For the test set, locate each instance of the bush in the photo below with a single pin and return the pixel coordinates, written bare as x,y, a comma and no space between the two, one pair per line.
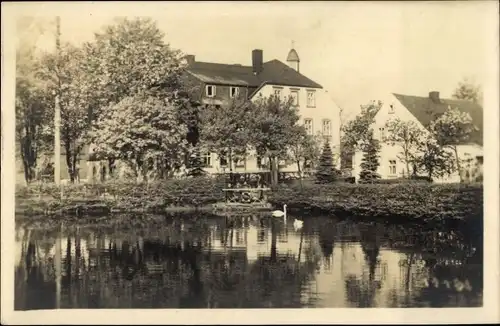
415,200
154,196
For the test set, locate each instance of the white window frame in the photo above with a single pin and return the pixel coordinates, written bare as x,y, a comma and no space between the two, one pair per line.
214,90
236,92
311,98
295,101
279,90
311,130
207,160
393,168
381,131
326,122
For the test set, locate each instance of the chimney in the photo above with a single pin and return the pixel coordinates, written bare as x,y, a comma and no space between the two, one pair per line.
190,59
434,96
257,61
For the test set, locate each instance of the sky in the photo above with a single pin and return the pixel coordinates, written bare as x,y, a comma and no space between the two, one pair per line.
358,51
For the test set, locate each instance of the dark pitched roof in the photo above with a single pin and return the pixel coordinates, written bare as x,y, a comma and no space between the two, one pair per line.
273,72
426,110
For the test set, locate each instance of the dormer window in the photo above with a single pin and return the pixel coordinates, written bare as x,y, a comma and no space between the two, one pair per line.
234,92
210,90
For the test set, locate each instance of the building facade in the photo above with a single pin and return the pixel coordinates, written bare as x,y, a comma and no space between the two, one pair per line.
219,84
422,110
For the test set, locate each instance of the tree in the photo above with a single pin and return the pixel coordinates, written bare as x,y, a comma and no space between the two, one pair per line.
325,173
32,114
467,90
435,160
355,131
144,132
452,128
128,58
226,130
406,135
195,164
65,77
273,124
370,162
305,150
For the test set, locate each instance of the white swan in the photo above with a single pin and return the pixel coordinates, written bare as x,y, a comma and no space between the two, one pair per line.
278,213
297,224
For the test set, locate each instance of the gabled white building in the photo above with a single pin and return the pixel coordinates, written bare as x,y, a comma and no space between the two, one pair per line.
422,110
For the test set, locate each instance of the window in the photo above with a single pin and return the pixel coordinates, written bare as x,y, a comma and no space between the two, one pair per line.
382,133
234,92
392,167
311,99
210,90
308,124
391,109
327,127
282,163
278,92
239,162
222,161
261,162
294,94
207,160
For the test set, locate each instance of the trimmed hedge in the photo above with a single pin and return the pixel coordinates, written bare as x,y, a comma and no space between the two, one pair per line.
412,200
119,196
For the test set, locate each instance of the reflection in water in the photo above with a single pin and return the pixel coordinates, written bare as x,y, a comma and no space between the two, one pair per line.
246,263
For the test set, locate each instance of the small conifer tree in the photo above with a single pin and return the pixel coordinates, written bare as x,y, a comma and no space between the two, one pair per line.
370,163
325,173
195,164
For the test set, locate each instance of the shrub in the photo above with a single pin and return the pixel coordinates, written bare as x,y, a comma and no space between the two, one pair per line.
431,202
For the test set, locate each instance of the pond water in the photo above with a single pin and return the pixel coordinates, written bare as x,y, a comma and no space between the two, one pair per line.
244,262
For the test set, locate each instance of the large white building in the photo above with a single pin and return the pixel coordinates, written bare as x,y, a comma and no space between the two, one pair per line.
422,110
221,83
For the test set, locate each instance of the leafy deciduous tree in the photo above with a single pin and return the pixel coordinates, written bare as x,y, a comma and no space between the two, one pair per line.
273,126
143,131
451,129
435,160
407,135
467,90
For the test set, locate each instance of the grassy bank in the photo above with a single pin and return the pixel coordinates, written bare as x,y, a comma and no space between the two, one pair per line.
102,199
398,202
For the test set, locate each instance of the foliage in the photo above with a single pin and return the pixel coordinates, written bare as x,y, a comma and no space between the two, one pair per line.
143,131
355,131
226,130
370,162
127,196
130,57
467,90
195,164
407,135
435,160
325,172
62,71
32,115
305,149
452,128
273,127
408,201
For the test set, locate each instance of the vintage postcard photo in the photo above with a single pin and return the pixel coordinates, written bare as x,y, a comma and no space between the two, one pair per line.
324,157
